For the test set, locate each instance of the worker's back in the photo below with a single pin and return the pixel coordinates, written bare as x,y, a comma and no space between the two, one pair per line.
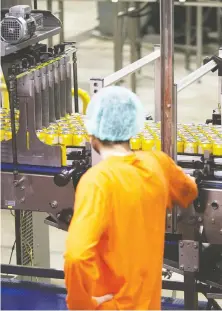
137,197
134,192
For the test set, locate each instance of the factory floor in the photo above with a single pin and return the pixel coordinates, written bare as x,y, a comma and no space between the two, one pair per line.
95,59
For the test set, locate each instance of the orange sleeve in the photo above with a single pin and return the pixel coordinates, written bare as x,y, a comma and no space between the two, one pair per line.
182,189
88,224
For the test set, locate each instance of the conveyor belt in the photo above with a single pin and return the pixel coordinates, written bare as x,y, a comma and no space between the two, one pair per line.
35,169
21,295
45,170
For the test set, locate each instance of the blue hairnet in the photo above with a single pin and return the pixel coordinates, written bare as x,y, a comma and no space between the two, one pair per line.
114,114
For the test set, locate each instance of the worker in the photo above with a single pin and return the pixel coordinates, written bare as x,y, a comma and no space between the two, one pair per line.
115,244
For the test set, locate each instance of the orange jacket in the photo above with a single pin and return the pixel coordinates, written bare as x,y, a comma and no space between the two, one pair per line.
116,237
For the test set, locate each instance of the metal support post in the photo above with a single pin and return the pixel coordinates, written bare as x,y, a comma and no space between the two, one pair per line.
188,36
157,86
49,8
35,4
220,88
18,237
190,292
219,26
133,49
189,263
133,34
174,153
75,81
171,219
118,35
61,17
167,91
199,36
167,75
138,41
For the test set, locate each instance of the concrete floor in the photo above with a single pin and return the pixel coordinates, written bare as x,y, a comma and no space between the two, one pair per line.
95,59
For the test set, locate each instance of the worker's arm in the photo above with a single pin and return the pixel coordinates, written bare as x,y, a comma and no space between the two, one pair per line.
182,188
88,224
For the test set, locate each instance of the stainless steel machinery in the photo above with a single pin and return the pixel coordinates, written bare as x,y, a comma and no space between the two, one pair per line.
39,176
33,174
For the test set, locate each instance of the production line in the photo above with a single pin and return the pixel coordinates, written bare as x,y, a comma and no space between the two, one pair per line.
44,144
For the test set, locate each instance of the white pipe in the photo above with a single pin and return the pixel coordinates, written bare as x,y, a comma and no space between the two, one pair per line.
131,68
196,75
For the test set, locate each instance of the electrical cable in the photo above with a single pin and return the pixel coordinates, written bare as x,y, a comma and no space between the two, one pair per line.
13,246
11,212
12,251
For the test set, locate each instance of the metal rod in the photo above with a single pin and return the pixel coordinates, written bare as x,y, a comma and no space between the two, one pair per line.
49,8
202,4
52,117
194,76
188,36
18,237
167,75
132,34
219,26
45,97
214,295
32,271
138,38
68,88
118,35
38,99
129,69
220,89
57,98
199,36
62,87
35,4
61,17
174,150
174,123
75,81
157,86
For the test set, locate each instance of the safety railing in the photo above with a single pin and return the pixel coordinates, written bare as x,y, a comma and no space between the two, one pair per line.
98,83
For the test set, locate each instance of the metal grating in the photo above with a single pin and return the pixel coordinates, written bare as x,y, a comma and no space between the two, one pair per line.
11,30
27,243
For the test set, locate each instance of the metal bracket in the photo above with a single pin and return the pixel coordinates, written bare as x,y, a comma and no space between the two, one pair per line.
218,61
96,85
189,256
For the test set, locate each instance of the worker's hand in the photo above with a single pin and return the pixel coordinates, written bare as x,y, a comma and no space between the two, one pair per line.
103,299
